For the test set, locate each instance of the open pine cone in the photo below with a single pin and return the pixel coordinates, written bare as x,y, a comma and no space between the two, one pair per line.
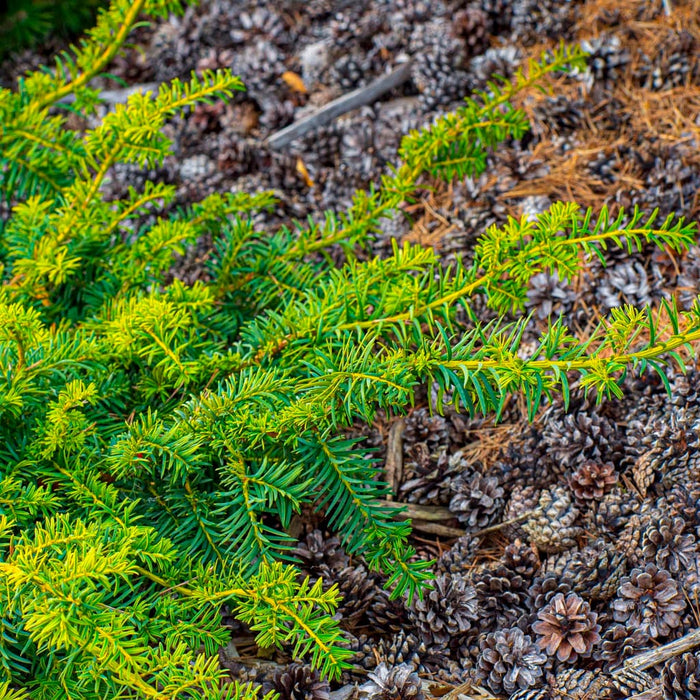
392,683
650,601
299,682
509,661
681,678
567,627
592,480
447,611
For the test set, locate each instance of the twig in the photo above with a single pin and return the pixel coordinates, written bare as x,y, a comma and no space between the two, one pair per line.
436,528
344,103
665,652
393,467
667,7
413,510
512,521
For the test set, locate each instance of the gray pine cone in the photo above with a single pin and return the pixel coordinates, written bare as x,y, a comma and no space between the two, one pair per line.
509,661
392,683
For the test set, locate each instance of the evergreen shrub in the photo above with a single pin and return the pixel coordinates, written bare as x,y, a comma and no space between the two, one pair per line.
157,437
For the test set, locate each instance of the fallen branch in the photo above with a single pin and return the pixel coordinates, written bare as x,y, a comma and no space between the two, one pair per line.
341,105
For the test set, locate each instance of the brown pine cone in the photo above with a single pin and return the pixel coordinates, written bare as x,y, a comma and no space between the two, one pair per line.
446,612
553,527
579,684
666,543
387,615
358,590
318,550
650,601
592,480
460,557
567,627
630,681
509,661
477,500
521,559
299,682
680,678
502,596
619,643
471,26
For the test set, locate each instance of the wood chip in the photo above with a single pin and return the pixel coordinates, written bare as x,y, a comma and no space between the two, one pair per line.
393,466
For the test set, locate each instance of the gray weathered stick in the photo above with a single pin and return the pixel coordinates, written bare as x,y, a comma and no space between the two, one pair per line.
345,103
393,466
413,510
665,652
113,97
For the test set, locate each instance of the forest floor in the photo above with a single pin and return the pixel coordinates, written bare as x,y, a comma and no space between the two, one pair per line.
600,504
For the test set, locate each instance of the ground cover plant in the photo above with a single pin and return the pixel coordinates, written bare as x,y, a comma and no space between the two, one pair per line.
159,436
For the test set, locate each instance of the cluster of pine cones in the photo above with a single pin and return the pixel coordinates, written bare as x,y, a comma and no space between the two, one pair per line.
596,557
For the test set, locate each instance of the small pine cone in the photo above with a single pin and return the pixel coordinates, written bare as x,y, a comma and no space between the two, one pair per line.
477,500
619,643
578,437
348,72
299,682
389,616
630,681
470,25
681,678
592,480
319,551
597,571
609,515
392,683
552,528
502,596
545,586
521,559
509,661
665,544
426,476
407,648
579,684
531,694
460,557
523,500
629,539
567,627
649,600
446,612
358,590
421,426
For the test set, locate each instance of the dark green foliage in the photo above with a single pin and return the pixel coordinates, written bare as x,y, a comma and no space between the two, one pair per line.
156,439
24,23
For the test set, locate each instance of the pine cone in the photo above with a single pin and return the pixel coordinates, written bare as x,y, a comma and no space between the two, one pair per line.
470,25
460,557
650,601
319,551
619,643
592,480
579,684
478,500
299,682
392,683
681,678
509,661
665,544
521,559
502,596
567,627
552,528
447,611
389,616
631,681
358,590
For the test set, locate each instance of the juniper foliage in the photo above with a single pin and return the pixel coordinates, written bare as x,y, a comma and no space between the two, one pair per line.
158,437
